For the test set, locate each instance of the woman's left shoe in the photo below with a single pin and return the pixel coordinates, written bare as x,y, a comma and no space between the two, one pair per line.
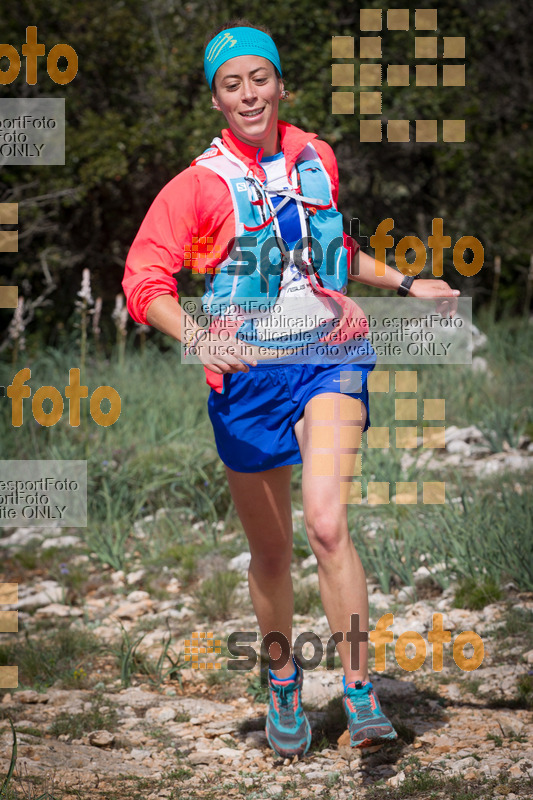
367,723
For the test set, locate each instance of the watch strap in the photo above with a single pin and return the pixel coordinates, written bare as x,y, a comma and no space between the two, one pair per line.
405,285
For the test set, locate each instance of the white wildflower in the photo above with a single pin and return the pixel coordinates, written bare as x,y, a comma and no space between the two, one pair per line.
96,312
17,325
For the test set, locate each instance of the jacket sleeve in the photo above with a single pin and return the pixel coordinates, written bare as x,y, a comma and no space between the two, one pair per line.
157,252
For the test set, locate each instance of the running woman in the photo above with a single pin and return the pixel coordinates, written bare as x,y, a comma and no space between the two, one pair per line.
283,386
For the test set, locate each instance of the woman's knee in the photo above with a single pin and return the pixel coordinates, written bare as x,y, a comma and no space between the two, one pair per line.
271,564
327,532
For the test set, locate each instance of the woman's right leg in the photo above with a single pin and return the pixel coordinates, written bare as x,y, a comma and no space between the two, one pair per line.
263,503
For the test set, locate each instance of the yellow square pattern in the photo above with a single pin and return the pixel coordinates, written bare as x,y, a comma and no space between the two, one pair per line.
406,493
350,410
398,75
9,242
406,380
322,408
377,437
9,621
370,130
454,46
322,465
9,677
426,74
425,47
370,19
342,47
434,409
378,381
370,47
9,593
453,130
378,493
350,492
405,437
342,103
342,75
370,103
453,75
426,19
9,296
351,436
322,436
398,130
349,466
426,130
405,409
434,437
434,492
9,213
398,19
370,75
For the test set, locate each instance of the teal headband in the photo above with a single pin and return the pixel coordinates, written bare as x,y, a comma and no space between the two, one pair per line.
238,42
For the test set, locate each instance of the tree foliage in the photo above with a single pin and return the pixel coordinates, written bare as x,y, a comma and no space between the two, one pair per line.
139,111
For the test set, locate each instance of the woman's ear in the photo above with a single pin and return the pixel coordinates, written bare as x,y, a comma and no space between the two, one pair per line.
214,103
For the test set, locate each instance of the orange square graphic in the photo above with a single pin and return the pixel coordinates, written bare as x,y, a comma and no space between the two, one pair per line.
453,130
406,493
370,130
453,75
322,436
406,437
342,103
322,408
377,437
426,19
370,103
370,75
434,437
406,380
398,130
349,465
9,677
454,47
350,436
342,75
434,409
406,409
398,75
378,493
426,74
398,19
9,296
342,47
9,213
378,381
9,593
370,47
9,242
350,492
434,492
350,409
426,130
9,621
370,19
425,47
322,464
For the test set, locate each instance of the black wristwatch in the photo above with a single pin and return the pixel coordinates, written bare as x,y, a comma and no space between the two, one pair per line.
405,285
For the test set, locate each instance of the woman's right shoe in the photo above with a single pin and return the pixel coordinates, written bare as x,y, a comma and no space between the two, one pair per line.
287,727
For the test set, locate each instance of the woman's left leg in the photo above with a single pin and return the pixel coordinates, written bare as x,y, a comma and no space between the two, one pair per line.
329,436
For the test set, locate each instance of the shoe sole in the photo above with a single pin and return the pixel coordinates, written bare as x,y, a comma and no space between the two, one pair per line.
290,753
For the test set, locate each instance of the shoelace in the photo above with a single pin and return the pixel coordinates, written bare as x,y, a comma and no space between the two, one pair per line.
285,695
361,701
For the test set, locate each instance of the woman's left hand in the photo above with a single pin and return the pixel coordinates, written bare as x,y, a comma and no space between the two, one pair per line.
445,296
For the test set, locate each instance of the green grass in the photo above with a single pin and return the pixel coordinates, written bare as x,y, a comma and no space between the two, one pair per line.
475,593
215,598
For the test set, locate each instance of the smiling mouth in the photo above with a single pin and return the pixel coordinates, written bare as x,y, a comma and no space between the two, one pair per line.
252,114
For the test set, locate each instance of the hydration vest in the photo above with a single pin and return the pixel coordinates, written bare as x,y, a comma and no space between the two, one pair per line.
251,274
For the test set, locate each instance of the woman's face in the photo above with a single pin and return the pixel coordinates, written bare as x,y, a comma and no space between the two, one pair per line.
247,92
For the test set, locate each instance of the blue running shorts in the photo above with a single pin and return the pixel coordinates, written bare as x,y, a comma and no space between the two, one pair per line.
253,420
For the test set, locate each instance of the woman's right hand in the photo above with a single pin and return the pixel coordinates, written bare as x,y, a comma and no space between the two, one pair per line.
223,355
